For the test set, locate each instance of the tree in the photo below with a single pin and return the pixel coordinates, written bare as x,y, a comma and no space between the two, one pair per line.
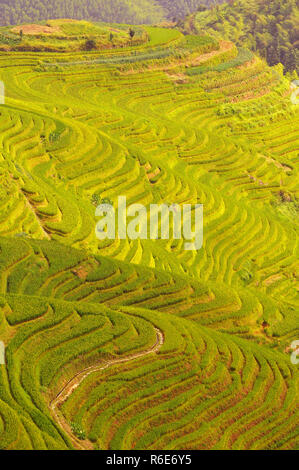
131,33
272,55
90,45
291,59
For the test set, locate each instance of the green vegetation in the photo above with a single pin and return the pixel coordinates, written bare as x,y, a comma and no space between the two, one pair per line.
243,57
161,348
178,9
111,11
267,27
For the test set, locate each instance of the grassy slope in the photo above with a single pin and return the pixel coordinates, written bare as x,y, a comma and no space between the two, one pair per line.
184,120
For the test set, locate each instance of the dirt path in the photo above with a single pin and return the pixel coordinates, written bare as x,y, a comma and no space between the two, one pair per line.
73,383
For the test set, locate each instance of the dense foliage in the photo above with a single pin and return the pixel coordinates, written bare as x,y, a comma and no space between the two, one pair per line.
178,9
119,11
122,11
269,27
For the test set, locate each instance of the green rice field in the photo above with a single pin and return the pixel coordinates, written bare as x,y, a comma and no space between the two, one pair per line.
140,344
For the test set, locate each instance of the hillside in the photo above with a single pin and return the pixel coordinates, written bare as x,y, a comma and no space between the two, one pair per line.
270,28
112,11
138,343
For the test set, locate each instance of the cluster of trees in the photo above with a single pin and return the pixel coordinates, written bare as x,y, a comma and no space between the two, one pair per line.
178,9
269,27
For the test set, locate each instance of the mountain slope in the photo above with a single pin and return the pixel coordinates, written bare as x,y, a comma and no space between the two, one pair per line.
269,27
113,11
177,119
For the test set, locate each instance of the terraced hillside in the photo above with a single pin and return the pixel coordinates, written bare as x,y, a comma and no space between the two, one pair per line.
139,344
70,36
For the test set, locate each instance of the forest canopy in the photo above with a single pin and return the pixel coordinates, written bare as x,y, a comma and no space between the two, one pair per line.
110,11
269,27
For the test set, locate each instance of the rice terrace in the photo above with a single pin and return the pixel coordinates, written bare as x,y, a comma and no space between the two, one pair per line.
136,343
